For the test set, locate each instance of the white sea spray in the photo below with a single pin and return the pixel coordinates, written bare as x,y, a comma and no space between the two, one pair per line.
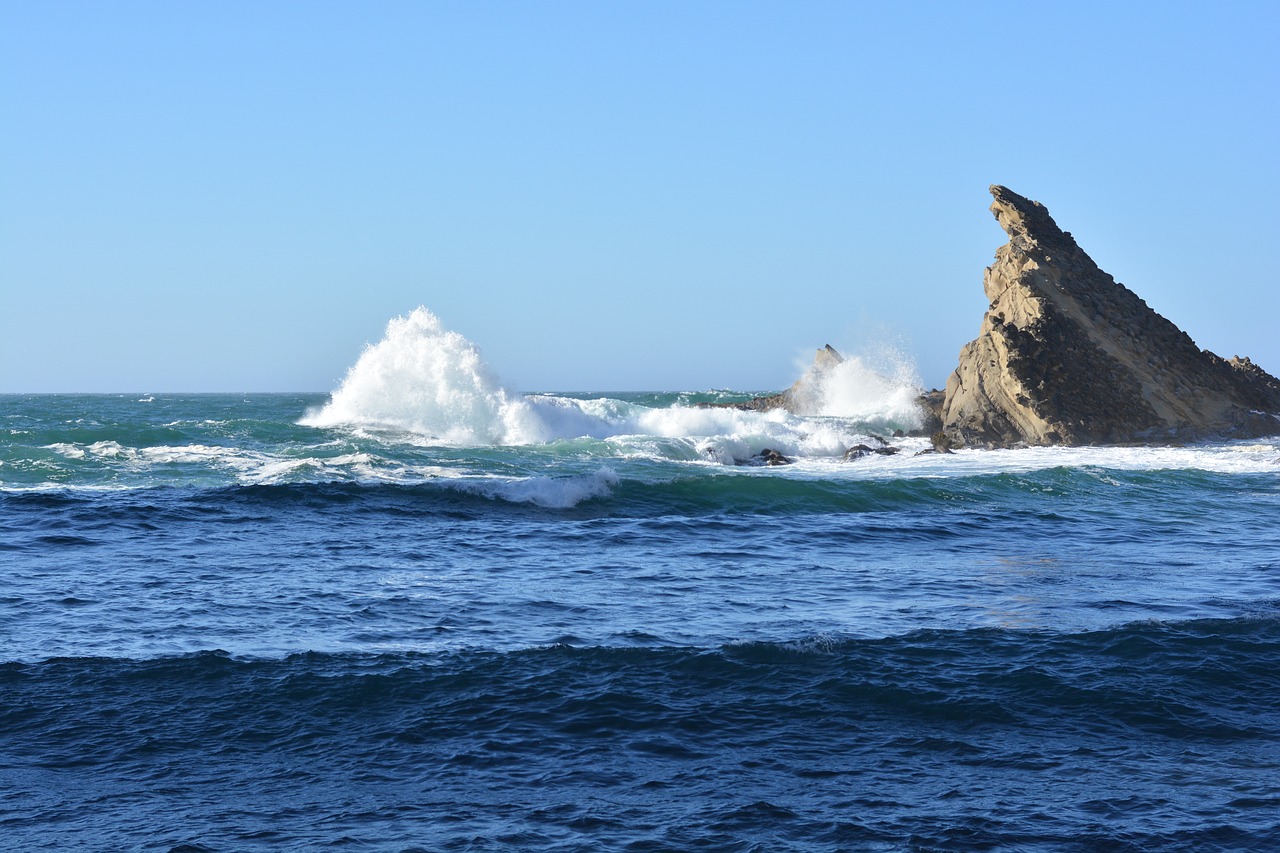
425,380
879,384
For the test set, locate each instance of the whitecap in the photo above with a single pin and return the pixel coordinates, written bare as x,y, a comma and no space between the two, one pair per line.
549,492
426,381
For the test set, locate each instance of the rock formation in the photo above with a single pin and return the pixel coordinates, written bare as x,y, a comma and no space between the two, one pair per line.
1067,355
801,396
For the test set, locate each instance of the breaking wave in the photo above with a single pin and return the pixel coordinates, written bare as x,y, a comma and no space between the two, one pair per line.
426,380
882,385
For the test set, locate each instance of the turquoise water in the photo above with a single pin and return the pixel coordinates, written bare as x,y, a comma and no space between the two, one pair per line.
229,622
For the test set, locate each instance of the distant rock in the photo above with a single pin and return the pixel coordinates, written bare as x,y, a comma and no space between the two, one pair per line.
1067,355
801,396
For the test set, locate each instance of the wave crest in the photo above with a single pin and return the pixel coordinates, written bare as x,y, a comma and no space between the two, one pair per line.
424,379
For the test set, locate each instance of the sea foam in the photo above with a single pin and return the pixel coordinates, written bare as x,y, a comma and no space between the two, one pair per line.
431,382
426,379
882,385
548,492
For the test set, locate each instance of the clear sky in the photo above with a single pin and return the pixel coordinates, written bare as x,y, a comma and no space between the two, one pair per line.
237,196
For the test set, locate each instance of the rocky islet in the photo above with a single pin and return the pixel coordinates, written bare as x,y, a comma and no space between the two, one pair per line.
1067,355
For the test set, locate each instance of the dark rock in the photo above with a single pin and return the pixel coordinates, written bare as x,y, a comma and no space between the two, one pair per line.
931,403
860,450
942,443
770,457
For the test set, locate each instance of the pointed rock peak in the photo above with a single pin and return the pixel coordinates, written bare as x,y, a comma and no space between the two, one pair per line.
1019,216
805,395
1068,355
827,358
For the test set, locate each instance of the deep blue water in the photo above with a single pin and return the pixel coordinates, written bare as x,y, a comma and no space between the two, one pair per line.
224,629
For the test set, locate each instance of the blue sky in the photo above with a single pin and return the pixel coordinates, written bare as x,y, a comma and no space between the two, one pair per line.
607,196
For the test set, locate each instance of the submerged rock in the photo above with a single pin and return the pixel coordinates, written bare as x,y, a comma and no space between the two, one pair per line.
858,451
768,456
1068,355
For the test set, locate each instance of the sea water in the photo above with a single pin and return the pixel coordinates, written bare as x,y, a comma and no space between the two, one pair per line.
425,612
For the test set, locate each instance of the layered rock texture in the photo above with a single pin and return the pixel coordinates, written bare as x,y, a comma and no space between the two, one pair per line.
1067,355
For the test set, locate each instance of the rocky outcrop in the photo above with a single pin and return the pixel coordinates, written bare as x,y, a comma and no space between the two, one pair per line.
1067,355
801,396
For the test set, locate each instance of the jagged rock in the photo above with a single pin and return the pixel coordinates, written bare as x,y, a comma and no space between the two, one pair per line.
943,443
801,396
931,406
1067,355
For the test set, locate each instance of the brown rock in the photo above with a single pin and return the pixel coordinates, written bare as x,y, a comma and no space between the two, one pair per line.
1067,355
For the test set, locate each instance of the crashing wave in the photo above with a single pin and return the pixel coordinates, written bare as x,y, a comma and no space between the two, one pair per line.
426,380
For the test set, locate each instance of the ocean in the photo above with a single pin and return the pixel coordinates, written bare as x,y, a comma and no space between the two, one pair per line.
424,612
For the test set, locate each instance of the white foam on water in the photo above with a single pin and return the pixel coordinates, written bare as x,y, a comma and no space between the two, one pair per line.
201,454
279,471
1222,458
427,381
352,466
111,450
427,386
880,385
143,458
52,487
549,492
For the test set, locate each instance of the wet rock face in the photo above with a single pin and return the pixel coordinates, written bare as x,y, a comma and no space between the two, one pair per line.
1067,355
800,396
